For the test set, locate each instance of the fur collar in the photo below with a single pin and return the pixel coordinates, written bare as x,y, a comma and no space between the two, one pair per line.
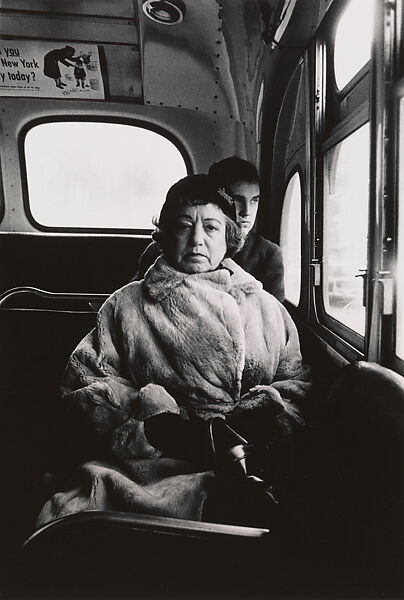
161,280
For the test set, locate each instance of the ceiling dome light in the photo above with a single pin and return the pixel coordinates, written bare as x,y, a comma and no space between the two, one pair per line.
164,11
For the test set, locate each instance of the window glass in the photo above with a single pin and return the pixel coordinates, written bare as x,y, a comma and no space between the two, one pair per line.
346,191
400,250
290,239
103,175
353,40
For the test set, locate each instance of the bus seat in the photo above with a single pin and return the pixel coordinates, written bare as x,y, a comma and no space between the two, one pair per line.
347,544
38,260
356,486
36,434
117,555
365,410
353,494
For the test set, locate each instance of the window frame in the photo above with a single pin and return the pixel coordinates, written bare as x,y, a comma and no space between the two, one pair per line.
341,93
89,119
335,96
397,363
384,182
354,338
331,127
385,78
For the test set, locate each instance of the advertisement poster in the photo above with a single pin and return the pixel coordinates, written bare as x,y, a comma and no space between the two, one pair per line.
50,70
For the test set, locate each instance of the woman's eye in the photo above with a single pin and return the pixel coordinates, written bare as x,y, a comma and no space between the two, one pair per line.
211,228
183,226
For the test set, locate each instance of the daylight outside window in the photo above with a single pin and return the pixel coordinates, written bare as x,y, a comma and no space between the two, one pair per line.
346,193
353,40
98,175
290,239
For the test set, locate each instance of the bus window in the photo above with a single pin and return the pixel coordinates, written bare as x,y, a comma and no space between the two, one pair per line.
346,196
98,175
290,238
352,51
400,248
343,82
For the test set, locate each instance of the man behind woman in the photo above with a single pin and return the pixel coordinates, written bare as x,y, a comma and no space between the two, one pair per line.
258,256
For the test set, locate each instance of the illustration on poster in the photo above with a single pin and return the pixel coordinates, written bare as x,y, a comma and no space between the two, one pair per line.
66,56
51,63
50,70
80,70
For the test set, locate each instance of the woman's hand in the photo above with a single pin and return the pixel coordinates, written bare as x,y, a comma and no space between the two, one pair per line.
268,397
180,438
262,414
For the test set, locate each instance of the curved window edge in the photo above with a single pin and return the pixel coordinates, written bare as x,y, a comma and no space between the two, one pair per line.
295,178
348,84
89,119
326,322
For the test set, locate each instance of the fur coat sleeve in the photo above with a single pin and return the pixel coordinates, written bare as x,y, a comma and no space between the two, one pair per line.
97,381
278,394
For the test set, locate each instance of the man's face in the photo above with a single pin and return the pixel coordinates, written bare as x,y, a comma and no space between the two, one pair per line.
246,197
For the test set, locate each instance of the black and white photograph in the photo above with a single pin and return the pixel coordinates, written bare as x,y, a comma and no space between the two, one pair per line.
202,299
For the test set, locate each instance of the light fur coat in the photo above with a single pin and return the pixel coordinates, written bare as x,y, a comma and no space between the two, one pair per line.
178,342
209,344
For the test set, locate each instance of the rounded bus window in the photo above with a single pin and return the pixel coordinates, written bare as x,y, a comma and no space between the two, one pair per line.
345,228
290,238
353,40
98,175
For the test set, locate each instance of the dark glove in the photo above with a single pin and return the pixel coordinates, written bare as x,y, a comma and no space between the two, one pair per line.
180,438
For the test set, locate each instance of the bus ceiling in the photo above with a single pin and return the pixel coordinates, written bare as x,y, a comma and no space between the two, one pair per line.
163,53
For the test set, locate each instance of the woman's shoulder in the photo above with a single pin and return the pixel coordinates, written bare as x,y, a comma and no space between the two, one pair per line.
242,283
246,284
128,294
240,276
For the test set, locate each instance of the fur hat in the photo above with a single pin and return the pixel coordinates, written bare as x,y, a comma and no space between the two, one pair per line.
196,190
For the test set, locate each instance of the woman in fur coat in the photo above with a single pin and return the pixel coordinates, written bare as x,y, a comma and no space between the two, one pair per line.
197,338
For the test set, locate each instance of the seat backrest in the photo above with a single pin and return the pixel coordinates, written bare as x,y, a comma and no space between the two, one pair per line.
358,495
36,432
366,408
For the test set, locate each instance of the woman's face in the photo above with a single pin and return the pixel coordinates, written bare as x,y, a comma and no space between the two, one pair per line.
198,239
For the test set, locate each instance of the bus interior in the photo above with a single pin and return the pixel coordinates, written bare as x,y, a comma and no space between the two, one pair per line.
312,93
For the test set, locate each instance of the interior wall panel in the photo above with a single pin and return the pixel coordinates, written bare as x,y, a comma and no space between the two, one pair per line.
101,8
58,27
